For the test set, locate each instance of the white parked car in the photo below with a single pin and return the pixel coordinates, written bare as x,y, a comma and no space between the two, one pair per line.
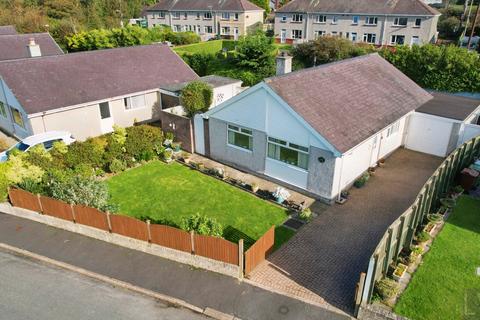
46,138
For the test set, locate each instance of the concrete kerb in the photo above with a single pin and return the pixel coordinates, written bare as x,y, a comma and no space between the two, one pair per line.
209,312
164,252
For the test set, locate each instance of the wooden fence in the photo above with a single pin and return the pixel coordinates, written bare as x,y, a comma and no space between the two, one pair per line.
259,250
216,248
129,227
400,234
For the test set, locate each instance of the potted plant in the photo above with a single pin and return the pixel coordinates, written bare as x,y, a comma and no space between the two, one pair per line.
422,237
371,170
429,228
360,182
399,271
414,254
176,146
168,139
305,215
381,162
434,218
167,155
447,202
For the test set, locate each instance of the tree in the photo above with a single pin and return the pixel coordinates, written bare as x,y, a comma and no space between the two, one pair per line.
256,52
196,97
449,28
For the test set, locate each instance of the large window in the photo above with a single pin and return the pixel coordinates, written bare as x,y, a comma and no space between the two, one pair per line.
369,37
296,17
240,137
296,34
355,19
225,30
418,22
17,117
397,39
208,29
104,110
161,15
134,102
3,112
371,21
400,22
320,19
176,15
225,16
287,152
318,33
207,16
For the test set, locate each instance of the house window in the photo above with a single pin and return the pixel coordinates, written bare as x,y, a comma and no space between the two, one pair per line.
207,15
418,22
240,137
320,19
319,33
198,15
287,152
235,17
397,40
104,110
225,30
283,19
208,29
334,33
354,36
176,15
400,22
3,112
415,40
296,17
134,102
296,34
334,20
161,14
394,128
369,37
355,20
153,15
17,117
371,21
225,16
185,15
177,28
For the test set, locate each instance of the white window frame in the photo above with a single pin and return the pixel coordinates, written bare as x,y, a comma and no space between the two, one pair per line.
128,102
283,19
371,21
225,30
176,15
207,15
319,33
297,17
291,146
185,15
242,131
397,20
355,20
354,36
418,23
297,34
393,129
177,28
334,20
372,36
394,39
225,16
161,15
236,16
320,18
208,29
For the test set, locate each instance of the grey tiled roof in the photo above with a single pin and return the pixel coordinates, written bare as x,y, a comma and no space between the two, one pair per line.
413,7
4,30
350,100
195,5
450,106
15,46
46,83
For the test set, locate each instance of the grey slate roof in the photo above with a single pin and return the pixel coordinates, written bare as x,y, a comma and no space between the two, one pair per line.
450,106
46,83
213,80
15,46
204,5
350,100
4,30
413,7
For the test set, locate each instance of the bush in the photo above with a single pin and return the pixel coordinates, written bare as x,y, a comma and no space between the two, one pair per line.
200,62
386,288
142,141
202,225
422,236
306,214
18,170
196,97
89,152
117,166
360,182
182,38
4,183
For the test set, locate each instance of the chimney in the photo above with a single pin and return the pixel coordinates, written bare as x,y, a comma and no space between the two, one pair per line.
33,48
284,63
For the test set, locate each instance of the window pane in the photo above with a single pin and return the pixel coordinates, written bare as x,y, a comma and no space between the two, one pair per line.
289,156
247,131
3,112
303,160
233,128
272,151
17,117
104,110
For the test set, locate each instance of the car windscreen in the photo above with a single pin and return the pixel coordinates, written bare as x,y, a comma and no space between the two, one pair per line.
19,146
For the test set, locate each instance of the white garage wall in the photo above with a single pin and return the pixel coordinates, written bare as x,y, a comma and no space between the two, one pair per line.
429,134
469,131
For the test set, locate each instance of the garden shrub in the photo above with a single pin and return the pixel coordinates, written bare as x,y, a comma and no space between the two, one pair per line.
202,225
196,97
58,151
423,236
39,157
306,214
4,184
18,170
89,152
200,62
117,166
386,288
360,182
142,141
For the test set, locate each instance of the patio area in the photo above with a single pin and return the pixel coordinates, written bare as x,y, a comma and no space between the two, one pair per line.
323,261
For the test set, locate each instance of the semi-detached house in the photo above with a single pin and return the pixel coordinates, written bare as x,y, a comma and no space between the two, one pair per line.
379,22
228,19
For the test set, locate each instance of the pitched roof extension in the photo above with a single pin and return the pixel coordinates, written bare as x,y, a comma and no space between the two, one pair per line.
450,106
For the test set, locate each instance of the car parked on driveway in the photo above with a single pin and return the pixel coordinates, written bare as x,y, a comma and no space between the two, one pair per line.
46,138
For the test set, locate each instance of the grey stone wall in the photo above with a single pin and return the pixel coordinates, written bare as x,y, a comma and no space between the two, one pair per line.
219,149
320,175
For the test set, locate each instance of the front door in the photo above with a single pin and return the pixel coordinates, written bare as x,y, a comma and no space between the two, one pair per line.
235,33
106,120
283,36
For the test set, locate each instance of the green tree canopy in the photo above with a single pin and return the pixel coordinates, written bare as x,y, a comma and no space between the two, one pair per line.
196,97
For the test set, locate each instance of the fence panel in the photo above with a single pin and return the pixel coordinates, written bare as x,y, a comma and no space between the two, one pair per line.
24,199
216,248
56,208
170,237
258,251
129,227
90,217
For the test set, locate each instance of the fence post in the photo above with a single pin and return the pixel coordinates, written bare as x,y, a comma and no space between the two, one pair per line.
73,213
359,293
149,232
40,203
109,222
192,241
240,259
388,248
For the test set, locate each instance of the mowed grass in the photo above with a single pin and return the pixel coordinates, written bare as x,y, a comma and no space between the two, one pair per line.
170,192
207,47
437,290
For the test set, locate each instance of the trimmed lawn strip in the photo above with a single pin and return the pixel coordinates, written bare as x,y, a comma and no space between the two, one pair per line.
210,47
170,192
437,289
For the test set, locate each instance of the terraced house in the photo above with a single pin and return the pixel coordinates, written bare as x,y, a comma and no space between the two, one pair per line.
379,22
227,19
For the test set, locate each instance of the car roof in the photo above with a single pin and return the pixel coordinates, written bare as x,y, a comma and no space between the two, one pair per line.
42,137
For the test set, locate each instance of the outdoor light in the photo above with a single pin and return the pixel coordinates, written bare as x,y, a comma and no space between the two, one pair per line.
321,159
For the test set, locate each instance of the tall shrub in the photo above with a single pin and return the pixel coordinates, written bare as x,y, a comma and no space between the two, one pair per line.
202,225
143,141
196,97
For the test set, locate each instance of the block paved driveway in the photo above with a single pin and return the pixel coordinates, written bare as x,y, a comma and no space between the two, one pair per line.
323,261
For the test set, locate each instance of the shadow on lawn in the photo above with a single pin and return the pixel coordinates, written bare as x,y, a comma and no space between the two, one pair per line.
232,234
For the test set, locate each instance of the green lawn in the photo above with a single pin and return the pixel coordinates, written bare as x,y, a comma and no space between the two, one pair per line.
170,192
437,290
211,47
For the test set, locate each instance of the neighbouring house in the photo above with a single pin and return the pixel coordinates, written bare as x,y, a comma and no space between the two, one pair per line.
227,19
443,123
7,30
30,45
86,93
378,22
173,117
318,129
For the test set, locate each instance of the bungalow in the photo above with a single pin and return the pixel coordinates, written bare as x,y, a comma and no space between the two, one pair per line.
317,129
87,93
30,45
